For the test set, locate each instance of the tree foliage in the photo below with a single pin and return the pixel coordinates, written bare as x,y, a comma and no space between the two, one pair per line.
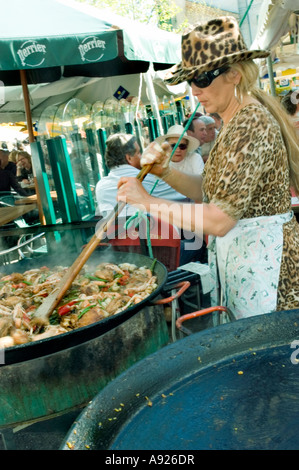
157,12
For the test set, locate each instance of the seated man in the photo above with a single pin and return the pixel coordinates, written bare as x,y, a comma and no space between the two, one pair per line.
6,164
217,119
197,129
185,157
122,158
210,138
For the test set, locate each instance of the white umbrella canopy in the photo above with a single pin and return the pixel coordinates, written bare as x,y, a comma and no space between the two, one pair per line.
87,89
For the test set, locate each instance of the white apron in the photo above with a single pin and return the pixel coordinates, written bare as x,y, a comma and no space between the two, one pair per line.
246,262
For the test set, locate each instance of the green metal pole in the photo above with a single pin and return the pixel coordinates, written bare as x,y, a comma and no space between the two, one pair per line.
248,8
102,137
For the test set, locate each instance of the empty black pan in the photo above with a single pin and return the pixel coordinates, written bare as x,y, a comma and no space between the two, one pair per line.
235,386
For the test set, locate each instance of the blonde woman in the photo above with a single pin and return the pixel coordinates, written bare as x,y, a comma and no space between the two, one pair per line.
245,187
24,167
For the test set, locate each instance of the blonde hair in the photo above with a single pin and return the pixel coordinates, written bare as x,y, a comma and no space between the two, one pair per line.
248,84
13,156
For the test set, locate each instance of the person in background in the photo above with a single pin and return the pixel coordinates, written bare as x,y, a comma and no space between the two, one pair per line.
197,129
185,157
6,164
291,104
217,120
210,138
122,158
9,182
245,206
13,156
24,167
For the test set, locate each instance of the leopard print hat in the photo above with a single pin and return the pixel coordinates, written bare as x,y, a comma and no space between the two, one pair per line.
209,46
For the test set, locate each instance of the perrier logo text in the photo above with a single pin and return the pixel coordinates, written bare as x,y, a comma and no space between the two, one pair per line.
91,49
32,53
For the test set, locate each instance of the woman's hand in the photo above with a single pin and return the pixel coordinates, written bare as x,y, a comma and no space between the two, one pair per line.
159,155
131,191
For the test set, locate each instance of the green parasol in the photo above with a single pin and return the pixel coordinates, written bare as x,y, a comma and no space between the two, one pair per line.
51,39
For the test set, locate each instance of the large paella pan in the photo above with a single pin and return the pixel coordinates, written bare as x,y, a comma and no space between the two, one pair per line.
42,378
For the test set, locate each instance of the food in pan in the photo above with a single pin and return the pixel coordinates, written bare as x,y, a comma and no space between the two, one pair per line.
93,296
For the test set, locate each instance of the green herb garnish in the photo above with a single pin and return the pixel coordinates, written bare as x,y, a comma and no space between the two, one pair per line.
95,278
54,319
85,310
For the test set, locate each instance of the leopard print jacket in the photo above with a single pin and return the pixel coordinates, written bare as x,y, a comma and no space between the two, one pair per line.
246,175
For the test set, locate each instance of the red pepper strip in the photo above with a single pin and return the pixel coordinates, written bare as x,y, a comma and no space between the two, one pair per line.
26,320
25,317
18,286
32,307
124,279
64,309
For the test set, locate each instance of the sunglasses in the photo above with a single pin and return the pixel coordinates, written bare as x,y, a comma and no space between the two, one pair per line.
180,146
205,79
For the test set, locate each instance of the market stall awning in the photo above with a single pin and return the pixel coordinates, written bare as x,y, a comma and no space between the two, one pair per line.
273,22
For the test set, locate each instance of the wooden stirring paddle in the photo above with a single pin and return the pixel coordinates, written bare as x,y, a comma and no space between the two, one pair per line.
43,312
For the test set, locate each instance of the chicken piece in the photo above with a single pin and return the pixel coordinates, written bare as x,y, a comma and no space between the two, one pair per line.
115,305
93,315
90,289
81,282
34,275
20,336
69,322
12,300
6,342
5,311
144,289
128,267
6,324
14,277
139,278
107,271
